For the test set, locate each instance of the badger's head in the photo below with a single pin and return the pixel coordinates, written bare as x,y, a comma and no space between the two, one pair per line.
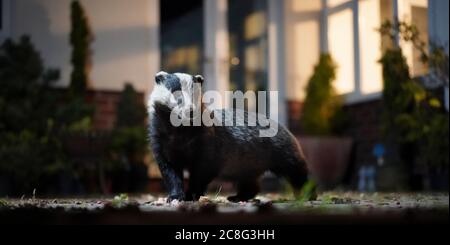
176,91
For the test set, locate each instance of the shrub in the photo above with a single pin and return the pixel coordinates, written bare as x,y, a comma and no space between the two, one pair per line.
80,39
129,144
29,143
414,117
322,111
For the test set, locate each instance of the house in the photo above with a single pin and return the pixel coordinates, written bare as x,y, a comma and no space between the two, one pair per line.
235,44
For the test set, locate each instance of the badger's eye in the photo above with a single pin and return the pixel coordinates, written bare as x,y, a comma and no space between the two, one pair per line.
180,101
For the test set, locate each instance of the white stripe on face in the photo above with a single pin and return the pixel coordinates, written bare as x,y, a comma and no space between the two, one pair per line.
160,94
163,95
186,82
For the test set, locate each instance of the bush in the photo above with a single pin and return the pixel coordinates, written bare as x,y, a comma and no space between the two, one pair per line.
414,118
129,144
80,39
29,143
131,112
322,111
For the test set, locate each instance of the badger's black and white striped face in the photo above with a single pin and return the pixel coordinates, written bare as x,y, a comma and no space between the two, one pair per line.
177,91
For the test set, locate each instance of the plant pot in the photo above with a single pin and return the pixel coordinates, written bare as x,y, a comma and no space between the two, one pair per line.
327,158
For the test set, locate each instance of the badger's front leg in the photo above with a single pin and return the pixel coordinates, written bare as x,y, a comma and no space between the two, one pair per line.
199,178
173,180
172,177
197,187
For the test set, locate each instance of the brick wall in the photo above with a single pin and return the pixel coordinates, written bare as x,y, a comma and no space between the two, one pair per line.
365,128
105,103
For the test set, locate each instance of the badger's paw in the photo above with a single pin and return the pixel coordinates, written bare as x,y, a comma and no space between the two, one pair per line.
176,197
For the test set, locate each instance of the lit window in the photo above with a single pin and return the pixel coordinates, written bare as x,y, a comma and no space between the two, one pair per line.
420,20
303,50
414,12
370,19
341,45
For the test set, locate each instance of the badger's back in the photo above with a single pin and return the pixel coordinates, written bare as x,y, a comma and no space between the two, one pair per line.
244,153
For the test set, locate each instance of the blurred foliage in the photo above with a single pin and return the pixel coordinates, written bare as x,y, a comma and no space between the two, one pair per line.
308,192
34,117
414,115
77,114
406,32
322,111
80,39
120,201
129,142
131,112
29,143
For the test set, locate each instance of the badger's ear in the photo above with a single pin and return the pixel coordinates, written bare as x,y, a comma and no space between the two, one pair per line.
159,77
198,79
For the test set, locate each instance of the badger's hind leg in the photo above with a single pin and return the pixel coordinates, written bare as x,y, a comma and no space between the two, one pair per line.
246,190
295,172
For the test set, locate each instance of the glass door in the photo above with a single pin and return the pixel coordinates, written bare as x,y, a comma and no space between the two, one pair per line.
248,36
182,36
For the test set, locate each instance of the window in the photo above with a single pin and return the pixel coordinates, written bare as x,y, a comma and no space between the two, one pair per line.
248,35
414,12
341,43
347,29
420,20
4,19
370,18
182,36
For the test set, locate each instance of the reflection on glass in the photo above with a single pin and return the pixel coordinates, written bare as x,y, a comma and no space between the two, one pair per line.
247,24
182,36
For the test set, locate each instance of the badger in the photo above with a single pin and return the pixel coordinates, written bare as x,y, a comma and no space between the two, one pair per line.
232,153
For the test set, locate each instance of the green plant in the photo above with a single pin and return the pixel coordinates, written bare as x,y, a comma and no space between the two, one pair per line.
3,203
414,118
308,192
131,111
29,144
80,39
120,201
322,111
76,114
129,138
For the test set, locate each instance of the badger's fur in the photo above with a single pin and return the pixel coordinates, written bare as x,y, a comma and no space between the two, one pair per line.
234,153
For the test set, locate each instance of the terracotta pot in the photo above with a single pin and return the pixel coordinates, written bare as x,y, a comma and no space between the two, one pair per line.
327,158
